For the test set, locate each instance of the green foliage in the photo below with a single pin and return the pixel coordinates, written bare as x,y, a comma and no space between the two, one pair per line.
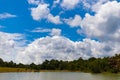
115,63
95,65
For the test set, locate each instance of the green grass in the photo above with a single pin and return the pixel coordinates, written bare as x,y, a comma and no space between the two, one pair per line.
6,69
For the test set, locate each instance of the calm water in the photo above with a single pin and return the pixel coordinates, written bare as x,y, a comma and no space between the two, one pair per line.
58,76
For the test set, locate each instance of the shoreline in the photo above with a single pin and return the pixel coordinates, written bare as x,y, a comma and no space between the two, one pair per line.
8,69
20,70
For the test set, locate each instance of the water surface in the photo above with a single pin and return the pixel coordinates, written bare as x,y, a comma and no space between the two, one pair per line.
58,76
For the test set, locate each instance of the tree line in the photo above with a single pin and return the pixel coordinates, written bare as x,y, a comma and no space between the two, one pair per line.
94,65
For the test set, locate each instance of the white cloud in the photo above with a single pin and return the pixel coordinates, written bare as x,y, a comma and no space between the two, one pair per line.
55,32
74,22
55,47
40,12
105,25
93,5
55,2
61,48
36,2
43,12
54,19
10,45
7,15
41,30
52,32
69,4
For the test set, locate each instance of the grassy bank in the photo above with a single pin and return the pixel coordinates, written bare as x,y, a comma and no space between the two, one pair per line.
6,69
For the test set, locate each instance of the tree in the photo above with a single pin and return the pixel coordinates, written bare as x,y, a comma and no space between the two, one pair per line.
1,62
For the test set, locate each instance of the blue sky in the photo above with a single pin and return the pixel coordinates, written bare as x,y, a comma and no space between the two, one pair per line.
24,23
35,30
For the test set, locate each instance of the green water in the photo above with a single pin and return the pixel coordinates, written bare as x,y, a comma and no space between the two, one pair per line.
58,76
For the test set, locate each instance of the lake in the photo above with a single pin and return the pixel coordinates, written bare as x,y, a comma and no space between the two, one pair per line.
58,76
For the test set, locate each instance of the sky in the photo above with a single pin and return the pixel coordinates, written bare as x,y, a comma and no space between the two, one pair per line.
36,30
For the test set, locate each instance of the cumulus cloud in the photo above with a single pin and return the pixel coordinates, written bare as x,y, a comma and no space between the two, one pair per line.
7,15
74,22
40,12
43,12
54,19
10,45
69,4
61,48
94,4
88,4
55,47
105,24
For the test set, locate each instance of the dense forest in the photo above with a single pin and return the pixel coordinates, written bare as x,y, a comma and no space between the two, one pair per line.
95,65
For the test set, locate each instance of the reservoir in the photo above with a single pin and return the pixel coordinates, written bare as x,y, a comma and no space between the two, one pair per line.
58,76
